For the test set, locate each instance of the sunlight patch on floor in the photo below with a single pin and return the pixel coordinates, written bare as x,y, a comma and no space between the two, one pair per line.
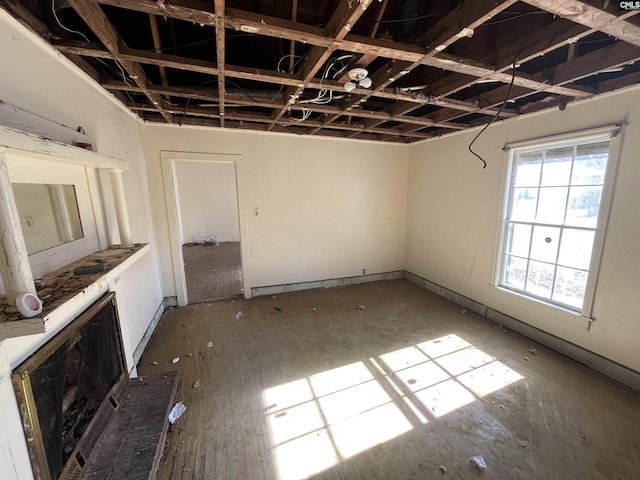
319,421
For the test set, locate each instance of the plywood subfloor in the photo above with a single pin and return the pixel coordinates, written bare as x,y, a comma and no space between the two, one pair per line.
212,271
307,385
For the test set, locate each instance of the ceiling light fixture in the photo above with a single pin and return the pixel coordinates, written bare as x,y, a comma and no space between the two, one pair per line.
359,78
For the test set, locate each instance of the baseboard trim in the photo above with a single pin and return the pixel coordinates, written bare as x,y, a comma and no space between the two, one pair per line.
603,365
170,301
148,334
329,283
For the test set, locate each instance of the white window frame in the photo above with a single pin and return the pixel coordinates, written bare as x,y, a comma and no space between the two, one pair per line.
614,134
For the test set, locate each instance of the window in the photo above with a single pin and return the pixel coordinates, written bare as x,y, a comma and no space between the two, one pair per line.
552,218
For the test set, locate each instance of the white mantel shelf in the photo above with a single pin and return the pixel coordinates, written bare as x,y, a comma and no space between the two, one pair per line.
65,295
37,146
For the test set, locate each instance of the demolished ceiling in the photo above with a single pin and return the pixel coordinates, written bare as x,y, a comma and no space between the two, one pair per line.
418,69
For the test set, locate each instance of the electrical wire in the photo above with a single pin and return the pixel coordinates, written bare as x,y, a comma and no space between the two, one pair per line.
409,19
124,76
186,107
55,15
306,113
516,15
506,99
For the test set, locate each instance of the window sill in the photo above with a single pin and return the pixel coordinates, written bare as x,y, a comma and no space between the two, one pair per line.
535,311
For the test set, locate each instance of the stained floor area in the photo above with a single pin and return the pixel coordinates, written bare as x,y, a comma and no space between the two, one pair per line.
212,272
382,381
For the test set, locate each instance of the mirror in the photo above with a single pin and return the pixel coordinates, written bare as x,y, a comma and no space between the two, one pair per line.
48,215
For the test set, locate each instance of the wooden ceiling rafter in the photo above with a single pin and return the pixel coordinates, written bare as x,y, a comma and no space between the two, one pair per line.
261,118
460,23
220,47
316,36
97,21
341,22
273,77
605,17
157,45
183,92
556,62
364,60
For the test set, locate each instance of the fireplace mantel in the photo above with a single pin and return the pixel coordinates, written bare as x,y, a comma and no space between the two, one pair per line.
65,295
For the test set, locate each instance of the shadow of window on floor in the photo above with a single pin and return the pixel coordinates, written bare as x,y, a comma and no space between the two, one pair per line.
319,421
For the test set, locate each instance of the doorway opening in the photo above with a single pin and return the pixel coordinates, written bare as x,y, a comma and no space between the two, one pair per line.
209,227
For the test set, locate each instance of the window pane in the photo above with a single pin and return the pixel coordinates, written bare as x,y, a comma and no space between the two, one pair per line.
540,279
590,164
528,169
518,239
556,168
524,204
544,244
551,205
570,288
584,205
575,248
515,271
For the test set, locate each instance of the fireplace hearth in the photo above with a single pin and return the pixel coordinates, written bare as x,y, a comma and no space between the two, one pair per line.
62,386
72,391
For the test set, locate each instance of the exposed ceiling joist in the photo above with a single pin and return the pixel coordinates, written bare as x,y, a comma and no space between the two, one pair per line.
437,66
95,18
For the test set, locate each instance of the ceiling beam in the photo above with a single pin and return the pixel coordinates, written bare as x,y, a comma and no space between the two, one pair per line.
220,29
366,59
261,118
210,96
604,17
460,23
292,47
288,30
95,18
157,45
341,22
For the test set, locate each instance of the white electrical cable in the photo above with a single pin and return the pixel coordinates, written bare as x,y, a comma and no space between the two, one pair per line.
55,15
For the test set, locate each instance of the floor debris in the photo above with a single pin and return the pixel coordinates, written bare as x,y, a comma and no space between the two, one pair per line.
209,344
175,360
176,412
196,384
154,363
239,315
360,306
278,309
479,462
443,469
532,350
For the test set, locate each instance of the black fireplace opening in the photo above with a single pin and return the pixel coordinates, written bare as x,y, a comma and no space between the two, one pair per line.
69,380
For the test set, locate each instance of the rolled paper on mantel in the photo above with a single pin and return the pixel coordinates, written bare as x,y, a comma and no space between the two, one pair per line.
28,304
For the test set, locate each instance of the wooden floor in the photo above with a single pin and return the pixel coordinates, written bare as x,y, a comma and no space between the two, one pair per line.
212,272
308,385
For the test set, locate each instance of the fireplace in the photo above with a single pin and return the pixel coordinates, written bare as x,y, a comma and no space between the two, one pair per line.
69,389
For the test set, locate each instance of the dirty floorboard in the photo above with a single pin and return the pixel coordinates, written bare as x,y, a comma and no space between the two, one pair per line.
212,271
309,385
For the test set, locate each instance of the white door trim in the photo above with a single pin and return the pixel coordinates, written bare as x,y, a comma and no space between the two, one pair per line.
168,160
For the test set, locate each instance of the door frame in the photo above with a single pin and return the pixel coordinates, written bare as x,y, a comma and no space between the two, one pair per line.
168,161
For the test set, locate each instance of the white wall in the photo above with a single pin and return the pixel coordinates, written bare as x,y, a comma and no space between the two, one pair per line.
454,209
37,79
326,208
208,201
